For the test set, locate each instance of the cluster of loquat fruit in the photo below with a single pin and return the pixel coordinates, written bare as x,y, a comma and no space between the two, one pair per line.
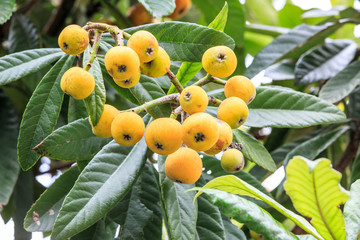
166,136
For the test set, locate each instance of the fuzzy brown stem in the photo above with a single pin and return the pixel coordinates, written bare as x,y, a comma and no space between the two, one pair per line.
175,81
165,99
94,50
238,146
214,101
115,32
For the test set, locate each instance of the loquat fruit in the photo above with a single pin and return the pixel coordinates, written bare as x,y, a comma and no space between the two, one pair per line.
193,99
233,111
144,44
164,136
157,67
183,166
78,83
127,128
138,15
103,128
241,87
224,140
121,62
182,6
130,82
232,160
219,61
73,39
200,131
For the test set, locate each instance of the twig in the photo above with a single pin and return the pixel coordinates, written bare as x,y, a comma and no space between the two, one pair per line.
94,50
237,146
115,32
214,101
207,79
165,99
175,81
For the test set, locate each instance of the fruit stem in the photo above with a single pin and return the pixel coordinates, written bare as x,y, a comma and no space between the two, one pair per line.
214,101
237,146
203,81
115,32
165,99
175,81
217,80
94,50
175,113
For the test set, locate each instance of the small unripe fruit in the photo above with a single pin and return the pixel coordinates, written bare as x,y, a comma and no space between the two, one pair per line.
121,62
73,39
200,131
232,160
224,140
233,111
144,44
157,67
78,83
241,87
219,61
138,15
193,99
182,6
183,166
163,136
130,82
127,128
103,128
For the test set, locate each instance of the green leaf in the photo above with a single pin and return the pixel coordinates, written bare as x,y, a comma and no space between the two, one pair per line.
42,215
76,110
272,31
355,172
290,16
283,107
314,189
325,61
158,8
342,84
351,212
213,164
254,151
188,70
232,232
9,168
41,113
102,230
261,11
22,34
291,45
283,70
185,42
354,104
314,146
95,102
97,189
244,211
7,7
146,90
17,65
72,142
180,212
234,185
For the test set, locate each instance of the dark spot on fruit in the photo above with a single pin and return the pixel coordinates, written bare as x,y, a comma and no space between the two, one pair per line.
148,64
127,137
181,11
127,81
187,96
159,146
122,68
65,45
199,137
221,57
149,51
178,181
241,121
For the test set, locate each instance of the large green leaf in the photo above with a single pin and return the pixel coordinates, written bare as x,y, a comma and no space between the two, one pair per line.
342,84
22,34
76,110
9,168
104,229
283,70
72,142
180,212
314,189
158,8
185,42
291,45
146,90
41,113
17,65
7,7
234,185
244,211
95,102
97,189
355,173
42,215
232,232
352,214
254,151
325,61
213,164
354,104
283,107
189,69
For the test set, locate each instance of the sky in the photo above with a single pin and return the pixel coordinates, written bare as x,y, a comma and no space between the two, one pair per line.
7,231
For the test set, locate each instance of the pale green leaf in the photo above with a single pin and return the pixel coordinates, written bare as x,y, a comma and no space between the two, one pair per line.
158,8
351,212
314,189
7,7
